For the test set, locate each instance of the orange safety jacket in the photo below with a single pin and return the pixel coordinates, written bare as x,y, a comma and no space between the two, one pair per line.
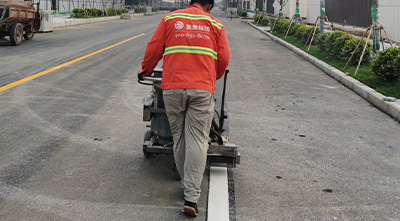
195,49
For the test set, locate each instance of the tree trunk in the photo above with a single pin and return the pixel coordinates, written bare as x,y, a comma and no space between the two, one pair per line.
296,21
322,17
376,24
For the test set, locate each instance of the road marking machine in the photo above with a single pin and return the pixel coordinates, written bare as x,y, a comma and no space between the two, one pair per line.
158,140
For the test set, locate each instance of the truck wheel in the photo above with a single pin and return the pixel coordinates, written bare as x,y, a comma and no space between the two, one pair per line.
16,34
28,35
147,137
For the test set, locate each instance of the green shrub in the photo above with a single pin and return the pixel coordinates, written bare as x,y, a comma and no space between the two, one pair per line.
111,11
340,43
78,13
242,13
154,9
293,28
387,64
299,30
100,12
303,32
264,21
118,11
396,64
320,41
257,19
273,21
281,26
92,11
126,10
140,9
330,40
350,46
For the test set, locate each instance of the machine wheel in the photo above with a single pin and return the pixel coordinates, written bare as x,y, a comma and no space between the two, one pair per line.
16,34
147,137
29,35
2,37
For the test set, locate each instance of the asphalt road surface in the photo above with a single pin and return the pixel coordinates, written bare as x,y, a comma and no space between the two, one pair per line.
71,139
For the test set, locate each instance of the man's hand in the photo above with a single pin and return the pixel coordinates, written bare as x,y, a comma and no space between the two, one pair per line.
141,74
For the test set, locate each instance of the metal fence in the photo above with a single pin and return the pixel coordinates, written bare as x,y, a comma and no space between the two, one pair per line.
350,12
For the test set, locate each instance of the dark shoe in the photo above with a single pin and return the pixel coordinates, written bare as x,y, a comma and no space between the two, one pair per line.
190,209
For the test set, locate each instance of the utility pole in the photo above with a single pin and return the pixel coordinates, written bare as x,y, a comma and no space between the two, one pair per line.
377,28
322,17
296,21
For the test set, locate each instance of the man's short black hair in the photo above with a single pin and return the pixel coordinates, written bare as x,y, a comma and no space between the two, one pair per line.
203,2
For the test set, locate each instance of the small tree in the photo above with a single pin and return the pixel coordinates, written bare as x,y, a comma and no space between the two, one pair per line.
282,3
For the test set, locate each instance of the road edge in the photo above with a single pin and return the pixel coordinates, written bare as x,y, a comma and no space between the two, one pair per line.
377,99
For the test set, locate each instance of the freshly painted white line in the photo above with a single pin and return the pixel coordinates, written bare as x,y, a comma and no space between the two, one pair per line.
218,198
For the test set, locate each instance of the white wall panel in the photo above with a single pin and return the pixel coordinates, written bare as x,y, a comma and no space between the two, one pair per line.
390,17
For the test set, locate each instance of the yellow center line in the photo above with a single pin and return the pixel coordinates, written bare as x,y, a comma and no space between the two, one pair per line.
63,65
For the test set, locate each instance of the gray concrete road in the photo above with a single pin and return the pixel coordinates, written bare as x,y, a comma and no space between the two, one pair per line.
71,140
311,148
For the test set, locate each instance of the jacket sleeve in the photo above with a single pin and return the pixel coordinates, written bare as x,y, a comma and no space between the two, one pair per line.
155,49
224,53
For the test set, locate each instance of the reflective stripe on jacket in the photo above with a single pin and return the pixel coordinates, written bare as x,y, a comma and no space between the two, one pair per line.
195,49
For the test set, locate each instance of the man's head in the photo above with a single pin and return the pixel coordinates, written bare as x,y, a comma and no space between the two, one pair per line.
207,5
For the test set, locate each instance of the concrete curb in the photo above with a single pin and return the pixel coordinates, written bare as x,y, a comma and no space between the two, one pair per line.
369,94
73,22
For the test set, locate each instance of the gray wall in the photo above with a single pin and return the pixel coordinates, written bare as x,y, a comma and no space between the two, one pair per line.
350,12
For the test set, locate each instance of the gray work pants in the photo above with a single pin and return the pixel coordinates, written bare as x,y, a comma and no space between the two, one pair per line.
190,113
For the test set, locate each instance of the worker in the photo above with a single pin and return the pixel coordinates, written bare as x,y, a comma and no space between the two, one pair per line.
196,53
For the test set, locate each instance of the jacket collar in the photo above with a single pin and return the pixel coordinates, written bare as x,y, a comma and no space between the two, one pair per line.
195,6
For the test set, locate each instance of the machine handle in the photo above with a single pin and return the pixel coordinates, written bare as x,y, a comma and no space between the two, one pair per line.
154,79
222,114
151,79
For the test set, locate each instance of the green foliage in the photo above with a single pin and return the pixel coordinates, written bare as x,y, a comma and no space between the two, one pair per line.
339,43
78,13
154,9
396,65
141,9
242,13
100,12
111,11
320,41
303,32
330,40
264,21
387,65
281,26
351,45
300,29
257,19
94,12
119,11
272,21
293,28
